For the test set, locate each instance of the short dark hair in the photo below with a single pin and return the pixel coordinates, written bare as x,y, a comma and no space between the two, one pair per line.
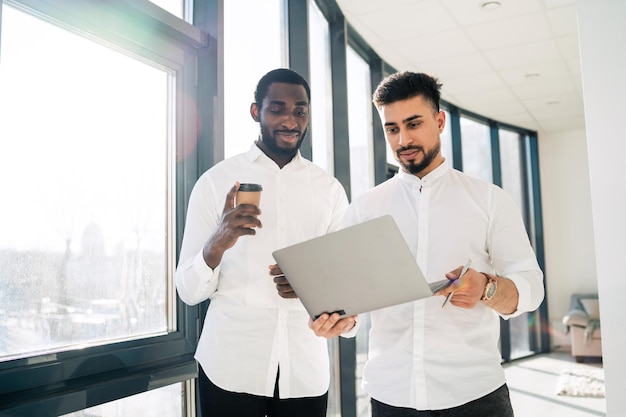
280,75
405,85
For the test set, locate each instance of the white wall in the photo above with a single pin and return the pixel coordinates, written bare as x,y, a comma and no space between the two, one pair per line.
567,223
602,34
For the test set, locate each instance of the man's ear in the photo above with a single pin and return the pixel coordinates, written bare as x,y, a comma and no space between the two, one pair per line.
254,112
441,120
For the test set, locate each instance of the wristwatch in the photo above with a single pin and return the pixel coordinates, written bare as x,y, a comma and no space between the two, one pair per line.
490,288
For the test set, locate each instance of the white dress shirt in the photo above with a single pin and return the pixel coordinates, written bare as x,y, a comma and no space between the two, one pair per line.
420,355
249,330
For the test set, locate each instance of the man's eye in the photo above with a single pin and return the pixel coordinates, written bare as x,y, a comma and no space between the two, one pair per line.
392,130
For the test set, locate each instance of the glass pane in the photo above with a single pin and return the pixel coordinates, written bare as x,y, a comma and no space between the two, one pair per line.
245,62
321,89
161,402
360,124
322,146
361,179
363,405
511,165
175,7
83,160
476,148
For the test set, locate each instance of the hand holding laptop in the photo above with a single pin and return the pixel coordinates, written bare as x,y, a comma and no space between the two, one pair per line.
325,325
331,325
282,284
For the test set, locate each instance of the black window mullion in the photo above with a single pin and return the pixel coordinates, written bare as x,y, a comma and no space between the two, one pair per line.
298,27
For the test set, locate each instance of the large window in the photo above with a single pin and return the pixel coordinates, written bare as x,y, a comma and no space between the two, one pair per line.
476,145
84,242
255,42
523,328
360,124
91,124
321,89
512,166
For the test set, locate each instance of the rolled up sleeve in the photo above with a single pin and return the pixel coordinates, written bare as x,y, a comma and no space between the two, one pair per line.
195,280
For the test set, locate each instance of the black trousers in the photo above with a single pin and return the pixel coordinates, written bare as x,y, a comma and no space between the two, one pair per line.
496,404
216,402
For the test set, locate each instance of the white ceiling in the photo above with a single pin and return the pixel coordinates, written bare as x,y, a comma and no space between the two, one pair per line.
517,64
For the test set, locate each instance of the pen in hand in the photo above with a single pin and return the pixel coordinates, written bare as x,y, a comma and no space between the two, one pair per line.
463,271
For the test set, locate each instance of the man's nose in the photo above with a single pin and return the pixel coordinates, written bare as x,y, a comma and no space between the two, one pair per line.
289,122
404,138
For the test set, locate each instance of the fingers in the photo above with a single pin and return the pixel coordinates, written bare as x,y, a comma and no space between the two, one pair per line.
331,325
462,300
246,215
275,270
467,290
282,284
283,287
454,274
450,288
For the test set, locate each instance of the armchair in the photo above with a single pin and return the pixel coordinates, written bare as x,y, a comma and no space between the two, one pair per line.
583,324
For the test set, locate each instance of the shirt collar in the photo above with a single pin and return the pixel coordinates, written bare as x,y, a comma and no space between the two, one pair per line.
428,179
256,154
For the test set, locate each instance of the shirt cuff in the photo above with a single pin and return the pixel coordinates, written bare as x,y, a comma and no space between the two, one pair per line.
203,270
524,296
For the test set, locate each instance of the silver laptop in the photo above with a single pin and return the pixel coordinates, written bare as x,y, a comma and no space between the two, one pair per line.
355,270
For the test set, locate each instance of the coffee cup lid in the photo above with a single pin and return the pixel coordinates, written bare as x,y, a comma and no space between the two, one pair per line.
250,187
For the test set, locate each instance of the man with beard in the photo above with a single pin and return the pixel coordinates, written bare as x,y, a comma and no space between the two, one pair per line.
425,360
256,352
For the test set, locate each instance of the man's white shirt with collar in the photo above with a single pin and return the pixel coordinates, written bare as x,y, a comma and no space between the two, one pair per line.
249,330
420,355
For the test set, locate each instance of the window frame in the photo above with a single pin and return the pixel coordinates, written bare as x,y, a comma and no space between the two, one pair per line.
66,381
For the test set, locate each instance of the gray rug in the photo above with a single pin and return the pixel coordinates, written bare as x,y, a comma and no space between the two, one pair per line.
581,383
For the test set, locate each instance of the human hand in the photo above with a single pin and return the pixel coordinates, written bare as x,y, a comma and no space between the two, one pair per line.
467,290
282,284
236,221
331,325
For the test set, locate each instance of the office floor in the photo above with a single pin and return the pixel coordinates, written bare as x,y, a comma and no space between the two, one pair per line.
533,381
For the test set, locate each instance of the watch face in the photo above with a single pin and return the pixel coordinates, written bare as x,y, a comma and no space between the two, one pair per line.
491,290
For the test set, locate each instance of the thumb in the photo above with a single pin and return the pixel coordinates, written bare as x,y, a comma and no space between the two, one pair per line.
229,204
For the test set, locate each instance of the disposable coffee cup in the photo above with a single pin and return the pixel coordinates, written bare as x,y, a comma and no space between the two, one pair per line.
249,194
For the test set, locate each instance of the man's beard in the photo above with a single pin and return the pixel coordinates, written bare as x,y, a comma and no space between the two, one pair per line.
413,167
271,143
